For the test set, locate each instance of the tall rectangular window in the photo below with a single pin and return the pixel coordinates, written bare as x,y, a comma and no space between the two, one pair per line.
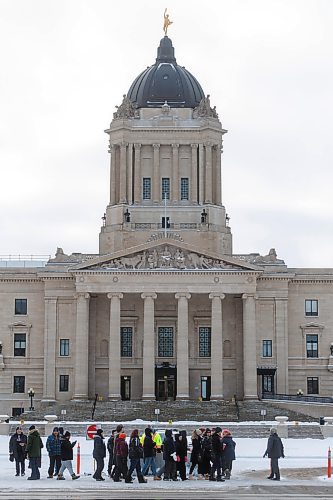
126,341
311,307
21,306
19,384
165,188
20,344
146,188
312,346
64,347
165,341
184,188
204,341
64,383
313,385
266,348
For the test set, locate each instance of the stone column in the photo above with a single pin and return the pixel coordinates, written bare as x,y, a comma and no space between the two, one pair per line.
114,346
156,173
209,178
281,329
201,175
216,347
249,347
137,173
122,172
81,347
113,175
148,383
183,389
194,174
218,187
50,347
175,173
129,176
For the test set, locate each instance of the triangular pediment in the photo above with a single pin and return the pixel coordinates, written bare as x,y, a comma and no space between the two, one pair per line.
164,254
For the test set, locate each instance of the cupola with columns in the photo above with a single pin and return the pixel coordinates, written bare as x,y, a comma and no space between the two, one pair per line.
165,142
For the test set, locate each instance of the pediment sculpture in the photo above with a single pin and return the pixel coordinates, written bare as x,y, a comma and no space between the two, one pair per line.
126,110
166,257
204,109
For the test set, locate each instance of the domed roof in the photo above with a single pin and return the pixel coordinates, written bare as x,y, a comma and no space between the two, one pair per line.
165,81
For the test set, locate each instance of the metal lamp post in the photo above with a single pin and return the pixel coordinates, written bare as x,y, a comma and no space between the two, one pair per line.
31,394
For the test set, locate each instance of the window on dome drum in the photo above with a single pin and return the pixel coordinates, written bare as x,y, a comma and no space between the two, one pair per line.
311,307
19,384
184,188
312,346
20,344
312,385
126,341
21,306
266,348
146,188
165,341
63,383
64,347
165,188
204,341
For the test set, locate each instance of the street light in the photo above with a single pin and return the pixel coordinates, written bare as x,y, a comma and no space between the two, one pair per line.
31,394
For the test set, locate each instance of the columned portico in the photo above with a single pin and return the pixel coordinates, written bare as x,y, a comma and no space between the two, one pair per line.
114,346
148,383
182,346
50,336
81,347
249,347
216,346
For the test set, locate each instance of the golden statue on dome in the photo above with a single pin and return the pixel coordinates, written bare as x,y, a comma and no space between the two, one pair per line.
166,23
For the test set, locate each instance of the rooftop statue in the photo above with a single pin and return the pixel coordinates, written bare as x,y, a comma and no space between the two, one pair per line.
126,110
166,23
204,109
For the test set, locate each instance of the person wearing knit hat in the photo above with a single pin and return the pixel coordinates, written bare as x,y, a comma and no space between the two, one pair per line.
196,455
216,456
53,446
34,451
99,453
149,451
121,451
67,457
17,450
228,453
274,451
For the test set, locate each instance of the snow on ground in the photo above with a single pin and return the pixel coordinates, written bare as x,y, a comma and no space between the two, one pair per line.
306,461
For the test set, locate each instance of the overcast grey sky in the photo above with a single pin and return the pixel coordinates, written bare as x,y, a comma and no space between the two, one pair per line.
267,64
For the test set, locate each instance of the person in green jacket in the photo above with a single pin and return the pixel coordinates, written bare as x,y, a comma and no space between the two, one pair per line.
34,451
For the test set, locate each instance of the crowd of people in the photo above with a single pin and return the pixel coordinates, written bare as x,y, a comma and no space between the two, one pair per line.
211,453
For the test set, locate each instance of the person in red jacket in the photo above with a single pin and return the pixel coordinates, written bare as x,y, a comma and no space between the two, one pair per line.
121,451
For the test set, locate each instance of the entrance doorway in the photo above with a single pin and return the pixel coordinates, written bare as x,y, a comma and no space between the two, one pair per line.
267,380
205,388
125,388
165,382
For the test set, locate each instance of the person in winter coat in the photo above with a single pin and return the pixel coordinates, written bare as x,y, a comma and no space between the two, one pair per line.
196,455
67,457
216,456
274,451
135,453
119,430
34,447
206,445
17,450
110,447
181,453
53,446
99,454
148,453
121,452
169,455
228,453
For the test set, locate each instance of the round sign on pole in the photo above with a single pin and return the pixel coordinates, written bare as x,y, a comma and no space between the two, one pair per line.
91,431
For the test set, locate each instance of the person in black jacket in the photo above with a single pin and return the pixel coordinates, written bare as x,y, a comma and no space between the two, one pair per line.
18,450
99,454
110,447
206,445
169,455
196,455
67,456
181,452
149,453
228,453
216,456
135,453
274,451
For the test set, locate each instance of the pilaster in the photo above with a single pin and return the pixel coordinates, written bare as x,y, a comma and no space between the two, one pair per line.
182,346
216,346
114,346
50,345
250,347
81,347
148,383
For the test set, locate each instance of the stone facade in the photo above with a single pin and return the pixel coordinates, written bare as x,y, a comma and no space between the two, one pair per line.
165,310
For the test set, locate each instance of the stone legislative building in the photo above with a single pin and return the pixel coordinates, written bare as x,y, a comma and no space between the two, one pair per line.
165,310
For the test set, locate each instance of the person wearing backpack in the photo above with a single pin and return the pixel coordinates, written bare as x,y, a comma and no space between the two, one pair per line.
135,453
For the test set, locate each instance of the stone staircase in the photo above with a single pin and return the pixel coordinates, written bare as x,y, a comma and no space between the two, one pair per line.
250,411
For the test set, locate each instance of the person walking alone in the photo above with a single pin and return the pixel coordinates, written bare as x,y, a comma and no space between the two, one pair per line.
53,446
274,451
99,454
17,450
34,450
